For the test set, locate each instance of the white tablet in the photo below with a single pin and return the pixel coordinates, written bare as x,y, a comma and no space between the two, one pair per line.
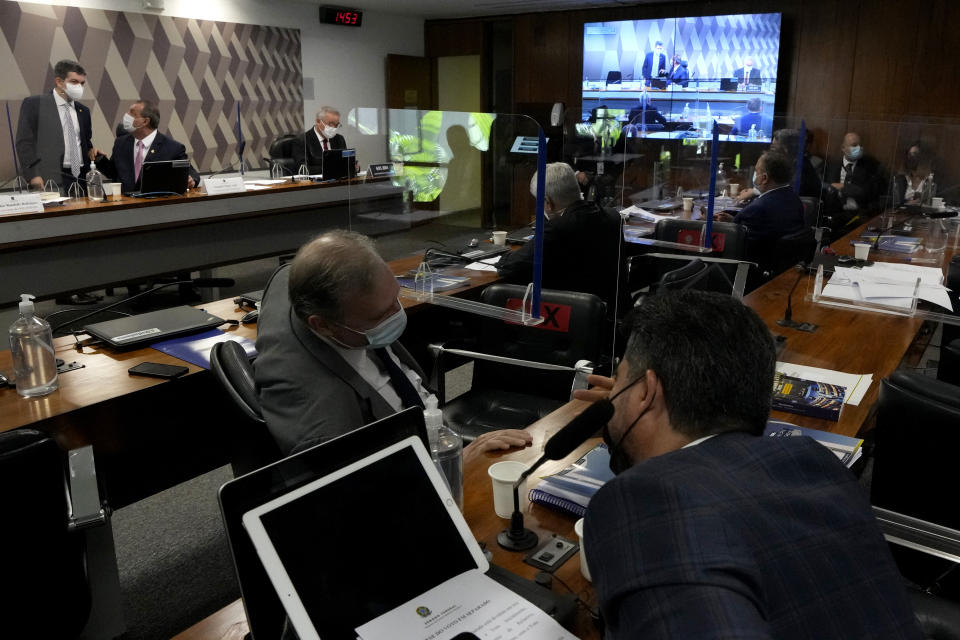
358,542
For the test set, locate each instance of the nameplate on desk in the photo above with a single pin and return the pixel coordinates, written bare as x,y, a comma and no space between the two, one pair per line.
21,203
218,186
381,170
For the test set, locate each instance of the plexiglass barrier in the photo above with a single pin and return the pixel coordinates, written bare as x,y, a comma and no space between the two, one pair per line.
889,197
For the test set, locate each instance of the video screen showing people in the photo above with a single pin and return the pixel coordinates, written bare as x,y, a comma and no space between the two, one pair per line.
673,77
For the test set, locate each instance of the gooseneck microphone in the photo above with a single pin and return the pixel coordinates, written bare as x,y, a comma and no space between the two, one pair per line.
197,282
558,447
787,319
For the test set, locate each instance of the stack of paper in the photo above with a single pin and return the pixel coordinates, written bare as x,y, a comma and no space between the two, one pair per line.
637,212
889,284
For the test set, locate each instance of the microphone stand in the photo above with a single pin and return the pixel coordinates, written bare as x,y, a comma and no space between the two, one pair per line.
787,320
517,537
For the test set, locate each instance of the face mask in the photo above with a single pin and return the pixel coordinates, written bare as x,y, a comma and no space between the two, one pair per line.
913,161
73,91
619,460
128,123
754,177
329,132
384,334
854,153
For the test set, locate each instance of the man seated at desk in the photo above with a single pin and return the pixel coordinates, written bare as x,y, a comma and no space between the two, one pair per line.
854,183
710,530
324,135
329,360
582,243
747,77
752,118
143,144
776,212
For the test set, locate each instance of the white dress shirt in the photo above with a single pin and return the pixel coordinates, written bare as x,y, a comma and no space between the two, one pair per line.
147,142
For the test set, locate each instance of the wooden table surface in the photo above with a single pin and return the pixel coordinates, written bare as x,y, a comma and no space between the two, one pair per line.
230,624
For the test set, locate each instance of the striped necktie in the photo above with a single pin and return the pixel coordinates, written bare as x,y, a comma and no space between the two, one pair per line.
73,150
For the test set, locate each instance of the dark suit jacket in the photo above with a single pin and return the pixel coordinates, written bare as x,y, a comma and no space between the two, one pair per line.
582,251
756,77
773,215
120,164
680,75
308,393
40,138
743,123
310,151
866,185
648,71
743,537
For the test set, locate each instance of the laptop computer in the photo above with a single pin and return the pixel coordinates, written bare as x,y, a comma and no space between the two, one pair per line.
337,164
369,562
146,328
163,178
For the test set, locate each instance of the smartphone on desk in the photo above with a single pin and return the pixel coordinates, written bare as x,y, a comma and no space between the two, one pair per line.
157,370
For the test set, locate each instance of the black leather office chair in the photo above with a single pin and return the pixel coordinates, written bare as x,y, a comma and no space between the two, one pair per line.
948,368
917,437
253,447
939,618
696,274
776,257
44,566
281,150
514,396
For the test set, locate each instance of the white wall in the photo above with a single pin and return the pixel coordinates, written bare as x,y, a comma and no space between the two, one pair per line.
347,65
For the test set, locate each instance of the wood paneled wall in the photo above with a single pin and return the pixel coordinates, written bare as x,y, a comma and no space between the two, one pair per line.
866,60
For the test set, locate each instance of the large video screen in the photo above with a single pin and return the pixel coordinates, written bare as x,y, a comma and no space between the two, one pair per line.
672,77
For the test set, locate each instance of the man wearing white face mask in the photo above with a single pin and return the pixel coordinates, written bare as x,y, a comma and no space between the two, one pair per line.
856,182
324,135
144,144
329,361
54,131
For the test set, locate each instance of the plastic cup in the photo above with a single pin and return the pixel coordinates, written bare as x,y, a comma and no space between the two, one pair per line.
503,475
113,189
861,250
734,189
500,238
578,528
688,204
937,203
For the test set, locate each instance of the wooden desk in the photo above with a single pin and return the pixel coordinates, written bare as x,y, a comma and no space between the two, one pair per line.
230,624
84,245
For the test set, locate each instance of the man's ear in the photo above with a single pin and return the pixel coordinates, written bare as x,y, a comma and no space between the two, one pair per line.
319,324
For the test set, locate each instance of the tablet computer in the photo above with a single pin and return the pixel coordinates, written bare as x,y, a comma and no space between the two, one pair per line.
361,540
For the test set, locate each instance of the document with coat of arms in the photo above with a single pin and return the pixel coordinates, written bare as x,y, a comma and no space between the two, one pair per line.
469,603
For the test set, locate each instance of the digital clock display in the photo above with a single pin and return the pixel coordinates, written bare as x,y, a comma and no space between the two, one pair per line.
339,15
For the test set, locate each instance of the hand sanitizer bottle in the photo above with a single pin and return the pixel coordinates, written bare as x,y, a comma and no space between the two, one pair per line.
31,345
446,448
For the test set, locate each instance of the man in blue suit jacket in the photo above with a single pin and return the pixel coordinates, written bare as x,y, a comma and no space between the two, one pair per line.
141,122
41,134
651,68
709,530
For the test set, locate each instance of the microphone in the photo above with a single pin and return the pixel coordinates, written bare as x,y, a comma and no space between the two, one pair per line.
197,282
787,319
558,447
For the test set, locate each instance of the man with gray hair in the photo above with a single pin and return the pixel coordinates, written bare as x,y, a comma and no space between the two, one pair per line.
582,243
329,360
324,135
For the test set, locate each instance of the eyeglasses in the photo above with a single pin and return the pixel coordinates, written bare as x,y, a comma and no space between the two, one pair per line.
327,124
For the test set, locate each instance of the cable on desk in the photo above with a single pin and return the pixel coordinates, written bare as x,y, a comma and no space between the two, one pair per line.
594,613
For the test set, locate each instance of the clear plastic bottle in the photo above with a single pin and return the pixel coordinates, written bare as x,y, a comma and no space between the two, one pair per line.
446,449
722,180
95,185
686,112
752,134
31,345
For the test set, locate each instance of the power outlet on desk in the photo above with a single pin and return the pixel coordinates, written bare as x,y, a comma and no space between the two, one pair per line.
552,553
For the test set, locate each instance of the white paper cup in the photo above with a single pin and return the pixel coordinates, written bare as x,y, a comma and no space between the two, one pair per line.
937,203
500,238
734,189
688,204
113,189
504,474
861,250
578,528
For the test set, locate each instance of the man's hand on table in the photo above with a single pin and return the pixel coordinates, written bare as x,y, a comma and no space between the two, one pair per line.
493,440
600,387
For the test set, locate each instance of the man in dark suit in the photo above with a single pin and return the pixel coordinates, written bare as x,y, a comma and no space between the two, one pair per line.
143,144
329,360
749,77
752,118
710,530
582,244
654,65
856,183
54,131
679,73
322,136
776,212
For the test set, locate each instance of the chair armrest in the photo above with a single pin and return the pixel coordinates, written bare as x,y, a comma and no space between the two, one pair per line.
83,496
920,535
583,369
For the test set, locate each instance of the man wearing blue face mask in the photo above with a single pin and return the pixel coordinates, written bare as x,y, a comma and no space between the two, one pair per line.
329,360
856,183
710,530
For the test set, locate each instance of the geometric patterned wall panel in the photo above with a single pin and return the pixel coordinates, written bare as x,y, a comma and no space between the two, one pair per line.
197,71
714,46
